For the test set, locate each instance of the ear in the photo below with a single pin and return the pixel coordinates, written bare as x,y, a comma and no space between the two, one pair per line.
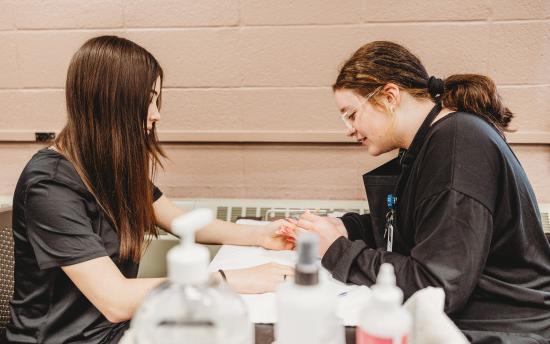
391,94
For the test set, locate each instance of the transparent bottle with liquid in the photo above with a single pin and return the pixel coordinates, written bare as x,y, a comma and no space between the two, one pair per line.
190,307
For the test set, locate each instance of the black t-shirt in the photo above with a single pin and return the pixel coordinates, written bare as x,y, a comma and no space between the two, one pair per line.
468,222
57,222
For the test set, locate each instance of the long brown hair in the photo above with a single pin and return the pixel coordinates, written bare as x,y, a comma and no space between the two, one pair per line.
108,91
378,63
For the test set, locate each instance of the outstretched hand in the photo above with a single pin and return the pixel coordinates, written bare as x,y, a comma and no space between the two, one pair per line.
328,228
274,238
258,279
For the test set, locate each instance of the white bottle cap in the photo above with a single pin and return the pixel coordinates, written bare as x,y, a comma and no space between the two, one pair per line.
385,289
188,262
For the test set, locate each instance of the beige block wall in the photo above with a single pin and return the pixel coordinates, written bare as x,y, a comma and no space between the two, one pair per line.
243,71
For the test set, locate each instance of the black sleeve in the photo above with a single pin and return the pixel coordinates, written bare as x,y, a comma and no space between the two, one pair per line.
58,226
359,227
453,234
156,193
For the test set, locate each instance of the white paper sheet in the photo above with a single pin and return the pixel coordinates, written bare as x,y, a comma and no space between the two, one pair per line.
261,307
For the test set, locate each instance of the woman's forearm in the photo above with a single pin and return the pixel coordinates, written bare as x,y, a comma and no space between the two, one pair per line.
114,295
222,232
128,297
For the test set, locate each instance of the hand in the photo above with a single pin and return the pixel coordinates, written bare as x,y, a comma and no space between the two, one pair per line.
273,237
328,228
294,231
258,279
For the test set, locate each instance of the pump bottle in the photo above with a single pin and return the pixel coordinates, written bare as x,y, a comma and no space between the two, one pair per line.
190,307
306,307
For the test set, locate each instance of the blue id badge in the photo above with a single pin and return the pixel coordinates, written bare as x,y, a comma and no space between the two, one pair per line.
390,217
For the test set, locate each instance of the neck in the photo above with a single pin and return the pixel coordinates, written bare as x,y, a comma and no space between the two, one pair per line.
413,113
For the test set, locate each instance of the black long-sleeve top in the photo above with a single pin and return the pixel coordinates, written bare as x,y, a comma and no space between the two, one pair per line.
466,221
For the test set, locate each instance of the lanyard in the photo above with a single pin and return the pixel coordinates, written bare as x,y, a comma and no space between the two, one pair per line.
407,160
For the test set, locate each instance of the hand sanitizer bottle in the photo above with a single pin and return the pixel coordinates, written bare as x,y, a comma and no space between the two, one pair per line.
190,307
306,308
384,320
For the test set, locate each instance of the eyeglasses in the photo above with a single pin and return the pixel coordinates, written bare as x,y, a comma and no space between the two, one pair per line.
348,117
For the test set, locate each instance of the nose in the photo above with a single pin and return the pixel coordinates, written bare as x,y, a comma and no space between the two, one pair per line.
155,116
351,132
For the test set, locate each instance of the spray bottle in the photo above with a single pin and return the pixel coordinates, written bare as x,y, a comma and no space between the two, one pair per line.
306,307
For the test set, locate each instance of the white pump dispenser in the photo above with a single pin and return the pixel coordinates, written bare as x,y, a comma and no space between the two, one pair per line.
306,307
190,307
188,262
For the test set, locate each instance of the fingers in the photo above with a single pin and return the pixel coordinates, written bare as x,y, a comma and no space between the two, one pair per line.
286,270
309,216
290,245
285,225
286,222
290,240
283,270
287,273
306,224
291,220
289,232
291,229
258,279
299,231
278,270
278,266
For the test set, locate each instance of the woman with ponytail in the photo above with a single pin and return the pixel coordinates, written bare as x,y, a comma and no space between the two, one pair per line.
84,207
455,210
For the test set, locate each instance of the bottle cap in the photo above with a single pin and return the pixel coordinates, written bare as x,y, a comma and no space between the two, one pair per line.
307,268
385,289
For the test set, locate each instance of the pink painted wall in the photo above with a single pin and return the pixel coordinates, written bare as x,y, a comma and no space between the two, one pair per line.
254,70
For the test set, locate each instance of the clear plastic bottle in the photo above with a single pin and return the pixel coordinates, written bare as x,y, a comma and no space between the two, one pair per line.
383,319
190,307
306,307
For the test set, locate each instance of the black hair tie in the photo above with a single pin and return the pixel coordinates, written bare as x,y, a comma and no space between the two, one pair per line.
436,87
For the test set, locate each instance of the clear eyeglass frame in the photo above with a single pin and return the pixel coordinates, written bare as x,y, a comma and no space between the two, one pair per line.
346,115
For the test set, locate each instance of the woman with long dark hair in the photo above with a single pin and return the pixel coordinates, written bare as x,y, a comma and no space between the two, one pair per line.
455,210
83,208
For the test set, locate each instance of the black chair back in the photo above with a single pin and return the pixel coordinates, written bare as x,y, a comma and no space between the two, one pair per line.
6,270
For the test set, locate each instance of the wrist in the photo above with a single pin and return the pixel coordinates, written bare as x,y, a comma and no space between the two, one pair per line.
342,227
259,235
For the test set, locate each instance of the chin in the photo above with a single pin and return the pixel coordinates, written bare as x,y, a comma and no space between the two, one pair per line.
376,151
373,151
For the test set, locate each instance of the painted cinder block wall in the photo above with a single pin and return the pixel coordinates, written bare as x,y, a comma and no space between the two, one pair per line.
247,109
